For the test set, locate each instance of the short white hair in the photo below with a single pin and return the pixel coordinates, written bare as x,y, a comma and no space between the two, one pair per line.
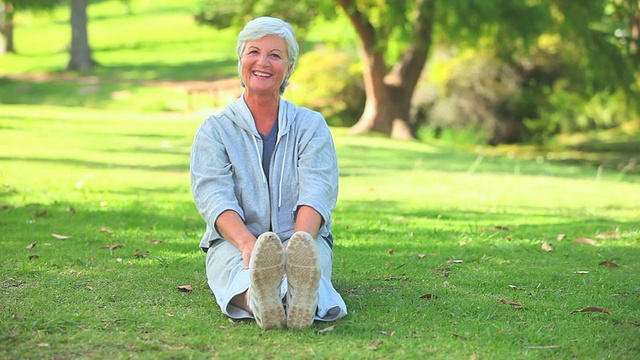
260,27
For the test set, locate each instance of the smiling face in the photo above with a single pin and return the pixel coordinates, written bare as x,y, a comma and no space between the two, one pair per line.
264,65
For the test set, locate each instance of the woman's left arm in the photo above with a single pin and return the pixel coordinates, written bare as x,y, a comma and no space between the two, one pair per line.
318,175
308,220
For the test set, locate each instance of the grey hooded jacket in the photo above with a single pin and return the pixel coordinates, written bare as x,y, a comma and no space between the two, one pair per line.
226,171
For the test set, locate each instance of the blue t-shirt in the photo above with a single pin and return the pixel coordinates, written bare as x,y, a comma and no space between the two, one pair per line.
268,146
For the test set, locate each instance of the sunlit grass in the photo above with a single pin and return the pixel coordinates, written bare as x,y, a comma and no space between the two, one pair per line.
103,157
411,220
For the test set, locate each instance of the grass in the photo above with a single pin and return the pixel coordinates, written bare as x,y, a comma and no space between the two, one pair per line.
429,237
411,221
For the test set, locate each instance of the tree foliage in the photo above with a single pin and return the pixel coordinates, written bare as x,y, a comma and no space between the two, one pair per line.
556,64
223,14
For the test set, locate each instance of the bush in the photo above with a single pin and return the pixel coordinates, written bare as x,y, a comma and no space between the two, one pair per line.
476,91
329,82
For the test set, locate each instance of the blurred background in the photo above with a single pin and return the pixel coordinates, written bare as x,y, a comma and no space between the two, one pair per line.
536,74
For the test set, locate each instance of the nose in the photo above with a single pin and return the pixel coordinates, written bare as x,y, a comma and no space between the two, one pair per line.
262,60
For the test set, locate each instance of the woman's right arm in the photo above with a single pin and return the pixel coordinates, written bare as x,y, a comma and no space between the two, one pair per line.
213,191
233,229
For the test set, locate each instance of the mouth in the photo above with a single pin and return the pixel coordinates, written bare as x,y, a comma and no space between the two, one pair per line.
261,74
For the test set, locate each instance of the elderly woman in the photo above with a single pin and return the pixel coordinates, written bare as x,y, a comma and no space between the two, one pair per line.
264,177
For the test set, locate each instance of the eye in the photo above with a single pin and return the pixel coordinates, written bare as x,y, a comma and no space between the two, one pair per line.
276,56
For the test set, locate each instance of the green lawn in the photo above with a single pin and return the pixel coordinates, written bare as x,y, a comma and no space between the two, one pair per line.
440,251
412,222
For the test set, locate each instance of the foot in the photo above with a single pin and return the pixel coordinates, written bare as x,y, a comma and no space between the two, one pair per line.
266,270
303,271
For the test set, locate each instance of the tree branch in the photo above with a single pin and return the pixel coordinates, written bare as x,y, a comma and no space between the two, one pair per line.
407,70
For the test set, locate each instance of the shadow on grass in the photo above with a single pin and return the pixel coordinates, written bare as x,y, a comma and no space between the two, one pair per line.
360,159
98,92
372,222
180,166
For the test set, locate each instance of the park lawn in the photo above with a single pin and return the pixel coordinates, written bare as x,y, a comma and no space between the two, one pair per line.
439,252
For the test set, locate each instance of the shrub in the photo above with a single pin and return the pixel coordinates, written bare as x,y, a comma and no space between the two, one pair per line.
329,82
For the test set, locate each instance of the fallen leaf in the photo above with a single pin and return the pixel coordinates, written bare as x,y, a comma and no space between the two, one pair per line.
608,263
463,243
327,329
19,316
119,260
516,305
185,288
587,241
428,296
60,237
459,336
593,309
105,230
156,241
169,314
421,256
41,213
455,261
112,321
581,272
104,203
508,237
374,345
138,255
111,247
71,210
32,245
89,287
561,237
547,247
390,251
497,228
608,235
34,256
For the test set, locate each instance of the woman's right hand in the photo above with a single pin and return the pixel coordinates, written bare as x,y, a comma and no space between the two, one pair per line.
233,229
246,251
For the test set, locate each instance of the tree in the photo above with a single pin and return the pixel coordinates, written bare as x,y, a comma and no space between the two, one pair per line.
81,58
6,28
8,10
396,39
389,89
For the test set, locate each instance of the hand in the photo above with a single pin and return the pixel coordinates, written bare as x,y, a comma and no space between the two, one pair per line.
246,251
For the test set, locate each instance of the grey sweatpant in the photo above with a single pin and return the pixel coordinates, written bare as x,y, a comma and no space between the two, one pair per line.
227,278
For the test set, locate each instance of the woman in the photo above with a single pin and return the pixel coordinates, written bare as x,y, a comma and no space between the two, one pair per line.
264,177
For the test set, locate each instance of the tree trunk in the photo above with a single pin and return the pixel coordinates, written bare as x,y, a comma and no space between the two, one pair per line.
80,51
389,91
634,27
6,29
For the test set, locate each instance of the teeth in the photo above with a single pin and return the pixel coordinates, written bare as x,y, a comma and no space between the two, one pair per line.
258,73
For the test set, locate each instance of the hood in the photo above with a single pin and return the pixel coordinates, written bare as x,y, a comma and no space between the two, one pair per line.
238,112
